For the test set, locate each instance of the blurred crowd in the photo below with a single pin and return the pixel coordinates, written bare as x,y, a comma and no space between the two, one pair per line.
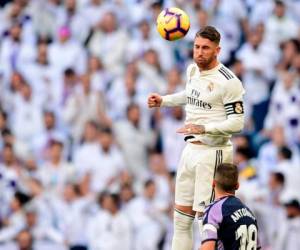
84,164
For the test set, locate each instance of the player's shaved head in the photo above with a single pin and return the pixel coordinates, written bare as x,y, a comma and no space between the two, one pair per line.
226,177
210,33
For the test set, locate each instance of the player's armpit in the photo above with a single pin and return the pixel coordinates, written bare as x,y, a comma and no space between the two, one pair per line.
208,245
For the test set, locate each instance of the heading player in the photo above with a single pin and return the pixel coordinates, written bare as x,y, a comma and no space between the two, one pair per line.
228,224
214,111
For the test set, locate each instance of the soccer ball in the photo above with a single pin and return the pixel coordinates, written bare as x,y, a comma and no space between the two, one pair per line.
172,24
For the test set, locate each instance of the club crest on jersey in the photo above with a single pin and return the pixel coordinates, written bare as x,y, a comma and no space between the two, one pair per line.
210,87
238,108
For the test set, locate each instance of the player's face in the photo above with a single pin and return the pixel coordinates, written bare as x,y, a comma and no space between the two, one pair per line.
205,52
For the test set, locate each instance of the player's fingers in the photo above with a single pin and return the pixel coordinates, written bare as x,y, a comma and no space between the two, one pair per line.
181,130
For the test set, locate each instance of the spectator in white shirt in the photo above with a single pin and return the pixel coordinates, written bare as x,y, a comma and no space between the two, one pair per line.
162,179
103,42
172,145
71,16
56,172
135,141
27,116
109,164
87,152
13,224
67,53
257,64
42,76
116,231
289,229
147,220
285,101
100,78
14,51
51,130
83,104
279,26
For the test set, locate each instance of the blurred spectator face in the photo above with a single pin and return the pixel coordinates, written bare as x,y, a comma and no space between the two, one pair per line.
16,81
109,22
96,2
56,151
202,18
90,132
15,204
288,79
174,77
86,83
151,57
70,5
126,193
3,120
35,187
42,57
69,193
70,78
49,120
24,240
109,203
289,50
145,29
130,83
157,164
26,91
8,155
255,39
150,190
177,113
277,136
125,178
279,9
16,10
15,32
296,63
133,114
31,218
64,34
274,181
94,64
240,141
106,140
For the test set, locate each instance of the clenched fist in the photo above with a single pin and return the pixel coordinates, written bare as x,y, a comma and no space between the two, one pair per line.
154,100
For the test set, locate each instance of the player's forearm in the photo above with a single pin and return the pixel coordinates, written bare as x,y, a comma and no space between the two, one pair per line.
177,99
234,124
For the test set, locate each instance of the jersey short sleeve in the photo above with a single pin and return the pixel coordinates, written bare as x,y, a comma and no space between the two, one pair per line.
211,223
233,97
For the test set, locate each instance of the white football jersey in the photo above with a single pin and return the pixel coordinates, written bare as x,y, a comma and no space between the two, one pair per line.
212,98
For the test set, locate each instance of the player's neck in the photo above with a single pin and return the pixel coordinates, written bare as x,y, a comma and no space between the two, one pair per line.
220,194
210,66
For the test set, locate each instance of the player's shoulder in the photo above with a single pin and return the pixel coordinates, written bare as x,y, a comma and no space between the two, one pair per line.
214,210
226,75
191,70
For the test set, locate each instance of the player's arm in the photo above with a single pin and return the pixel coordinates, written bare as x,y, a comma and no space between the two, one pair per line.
233,104
177,99
208,245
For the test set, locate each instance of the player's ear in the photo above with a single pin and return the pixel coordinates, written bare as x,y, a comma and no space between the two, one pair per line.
218,49
214,183
237,186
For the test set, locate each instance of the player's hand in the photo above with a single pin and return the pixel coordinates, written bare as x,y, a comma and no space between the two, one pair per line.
154,100
191,129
